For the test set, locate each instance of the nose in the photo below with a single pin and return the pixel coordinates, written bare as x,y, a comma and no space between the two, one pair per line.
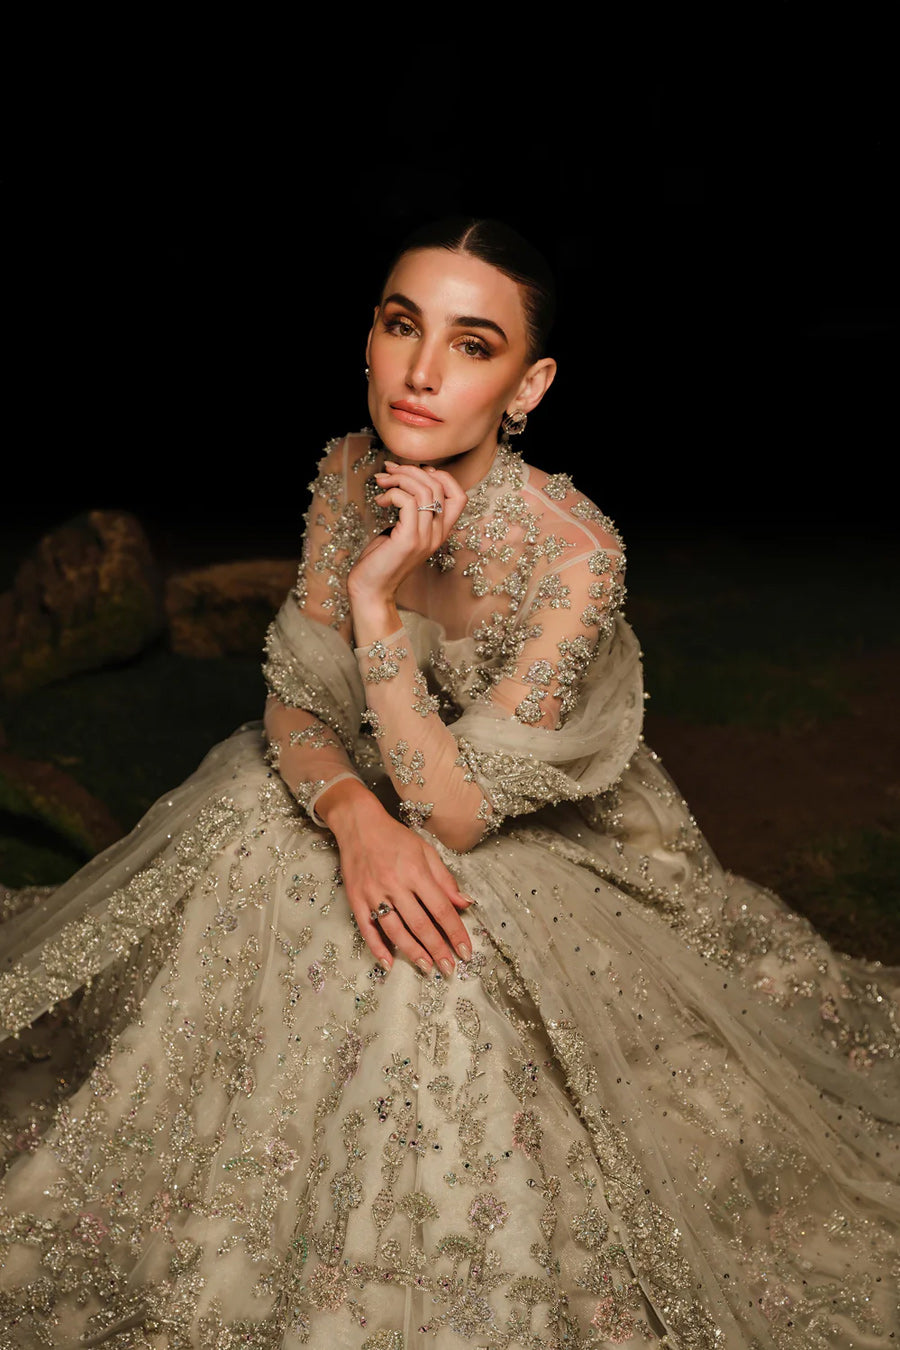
424,370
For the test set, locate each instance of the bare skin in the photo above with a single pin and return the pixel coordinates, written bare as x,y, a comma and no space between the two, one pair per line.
464,376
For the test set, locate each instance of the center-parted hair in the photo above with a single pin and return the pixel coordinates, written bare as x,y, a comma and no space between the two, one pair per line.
502,247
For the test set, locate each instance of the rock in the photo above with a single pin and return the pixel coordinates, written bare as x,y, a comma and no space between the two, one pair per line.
89,594
224,610
43,792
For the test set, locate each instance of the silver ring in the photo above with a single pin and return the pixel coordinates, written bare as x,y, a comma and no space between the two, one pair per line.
435,506
383,908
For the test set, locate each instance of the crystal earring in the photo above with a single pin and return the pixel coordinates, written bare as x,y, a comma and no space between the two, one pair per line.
513,423
367,372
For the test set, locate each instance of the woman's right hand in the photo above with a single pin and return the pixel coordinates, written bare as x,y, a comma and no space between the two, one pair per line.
385,862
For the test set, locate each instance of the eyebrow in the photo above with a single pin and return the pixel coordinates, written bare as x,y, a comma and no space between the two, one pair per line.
458,321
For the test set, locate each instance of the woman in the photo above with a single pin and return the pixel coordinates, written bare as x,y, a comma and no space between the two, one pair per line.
480,1046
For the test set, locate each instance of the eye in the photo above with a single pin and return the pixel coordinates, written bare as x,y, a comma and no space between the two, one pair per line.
400,326
473,346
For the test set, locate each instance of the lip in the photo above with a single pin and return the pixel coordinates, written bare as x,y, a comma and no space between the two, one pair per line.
413,414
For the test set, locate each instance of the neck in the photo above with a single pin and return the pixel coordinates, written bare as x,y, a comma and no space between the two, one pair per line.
467,468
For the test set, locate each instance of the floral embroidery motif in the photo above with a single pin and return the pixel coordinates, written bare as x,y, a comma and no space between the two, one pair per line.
411,772
558,486
388,659
424,704
415,813
471,1144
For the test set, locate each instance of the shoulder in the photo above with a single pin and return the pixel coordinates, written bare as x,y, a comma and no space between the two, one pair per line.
349,451
567,510
344,457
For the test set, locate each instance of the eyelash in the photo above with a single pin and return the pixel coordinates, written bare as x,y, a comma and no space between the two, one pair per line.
481,353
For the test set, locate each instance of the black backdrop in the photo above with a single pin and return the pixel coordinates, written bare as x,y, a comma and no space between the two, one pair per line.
197,249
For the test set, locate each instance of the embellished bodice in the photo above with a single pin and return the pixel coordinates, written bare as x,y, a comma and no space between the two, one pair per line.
532,563
514,680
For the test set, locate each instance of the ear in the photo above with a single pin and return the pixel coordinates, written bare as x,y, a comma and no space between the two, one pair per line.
535,383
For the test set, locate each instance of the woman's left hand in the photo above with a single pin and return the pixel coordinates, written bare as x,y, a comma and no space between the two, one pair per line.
388,559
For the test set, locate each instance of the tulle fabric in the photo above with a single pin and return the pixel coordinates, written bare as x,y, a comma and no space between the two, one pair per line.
655,1103
655,1107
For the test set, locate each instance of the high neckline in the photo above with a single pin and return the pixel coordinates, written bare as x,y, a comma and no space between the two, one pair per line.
505,466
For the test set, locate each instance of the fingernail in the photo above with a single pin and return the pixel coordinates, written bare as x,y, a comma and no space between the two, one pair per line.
424,966
465,951
446,965
385,963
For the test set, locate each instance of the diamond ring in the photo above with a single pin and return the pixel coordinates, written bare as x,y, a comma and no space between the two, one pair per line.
435,506
383,908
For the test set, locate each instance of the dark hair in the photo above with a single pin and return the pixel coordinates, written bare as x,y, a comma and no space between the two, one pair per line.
502,247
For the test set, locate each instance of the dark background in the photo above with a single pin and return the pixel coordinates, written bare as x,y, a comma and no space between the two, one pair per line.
198,244
197,227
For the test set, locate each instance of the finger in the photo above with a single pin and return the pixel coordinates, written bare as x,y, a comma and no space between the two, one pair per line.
372,934
452,490
419,484
453,498
435,901
407,506
456,498
397,930
396,496
446,880
428,475
421,918
410,497
423,483
429,507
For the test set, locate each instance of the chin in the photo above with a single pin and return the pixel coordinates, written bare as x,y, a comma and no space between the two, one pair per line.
409,443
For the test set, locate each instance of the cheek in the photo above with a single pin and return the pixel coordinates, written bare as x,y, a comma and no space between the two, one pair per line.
480,396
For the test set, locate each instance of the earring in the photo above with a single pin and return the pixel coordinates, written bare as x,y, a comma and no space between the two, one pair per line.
514,423
367,372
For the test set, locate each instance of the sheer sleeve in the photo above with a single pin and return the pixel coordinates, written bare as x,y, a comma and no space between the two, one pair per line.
571,609
558,722
311,720
434,782
563,714
553,714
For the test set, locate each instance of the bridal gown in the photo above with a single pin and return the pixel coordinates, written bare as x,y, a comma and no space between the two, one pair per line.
653,1108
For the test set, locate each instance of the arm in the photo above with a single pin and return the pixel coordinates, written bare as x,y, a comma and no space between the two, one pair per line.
439,774
418,751
311,728
306,748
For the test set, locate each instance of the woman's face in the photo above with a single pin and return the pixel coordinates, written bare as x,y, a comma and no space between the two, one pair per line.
447,357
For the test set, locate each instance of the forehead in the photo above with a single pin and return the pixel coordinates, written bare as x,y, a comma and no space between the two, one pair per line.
446,285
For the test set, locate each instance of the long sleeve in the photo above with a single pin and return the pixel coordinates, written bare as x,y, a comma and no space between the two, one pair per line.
441,774
310,724
419,752
544,703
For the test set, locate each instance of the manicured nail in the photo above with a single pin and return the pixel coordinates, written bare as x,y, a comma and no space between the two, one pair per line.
424,966
465,951
385,963
446,966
